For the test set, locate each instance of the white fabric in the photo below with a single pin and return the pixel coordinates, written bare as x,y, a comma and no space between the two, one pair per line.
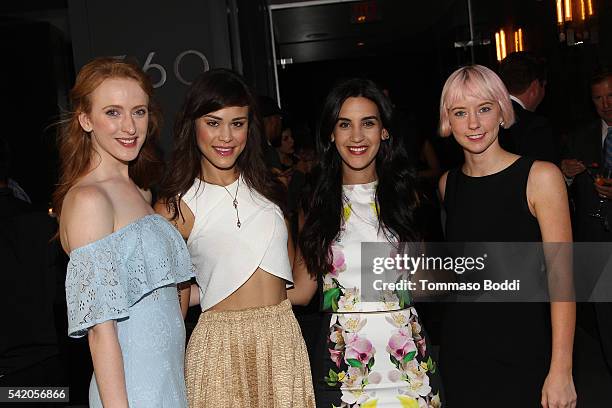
226,256
517,100
604,132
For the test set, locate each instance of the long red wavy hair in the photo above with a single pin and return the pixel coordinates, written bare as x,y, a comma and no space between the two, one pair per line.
74,144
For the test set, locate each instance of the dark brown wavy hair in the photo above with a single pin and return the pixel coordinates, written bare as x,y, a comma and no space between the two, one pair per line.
210,92
74,144
396,195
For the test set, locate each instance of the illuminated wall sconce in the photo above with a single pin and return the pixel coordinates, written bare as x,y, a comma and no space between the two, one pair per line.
559,12
518,40
566,8
573,19
500,44
498,47
502,47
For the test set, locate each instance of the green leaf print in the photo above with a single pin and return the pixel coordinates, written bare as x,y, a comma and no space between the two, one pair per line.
408,357
370,363
431,365
404,297
394,361
330,297
353,362
329,382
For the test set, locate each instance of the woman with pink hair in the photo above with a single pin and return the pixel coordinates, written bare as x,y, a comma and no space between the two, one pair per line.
502,355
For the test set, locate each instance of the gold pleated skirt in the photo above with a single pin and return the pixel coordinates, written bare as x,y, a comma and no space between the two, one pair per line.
248,358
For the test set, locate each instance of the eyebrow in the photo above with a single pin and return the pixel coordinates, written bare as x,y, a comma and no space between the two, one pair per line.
121,107
221,119
364,118
463,107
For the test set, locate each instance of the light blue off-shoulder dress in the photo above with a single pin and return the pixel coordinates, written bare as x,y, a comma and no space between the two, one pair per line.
130,276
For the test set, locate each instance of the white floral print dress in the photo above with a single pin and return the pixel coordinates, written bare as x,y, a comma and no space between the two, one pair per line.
374,354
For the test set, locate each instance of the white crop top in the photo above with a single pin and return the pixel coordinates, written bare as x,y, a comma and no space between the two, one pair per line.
226,256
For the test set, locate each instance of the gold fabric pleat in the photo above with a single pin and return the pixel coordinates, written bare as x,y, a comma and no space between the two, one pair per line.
248,358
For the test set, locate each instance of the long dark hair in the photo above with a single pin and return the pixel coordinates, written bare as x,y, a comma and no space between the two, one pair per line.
211,91
396,197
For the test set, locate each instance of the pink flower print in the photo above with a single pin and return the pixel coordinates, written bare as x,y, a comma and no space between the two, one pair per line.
374,377
338,262
336,356
422,346
394,376
358,349
401,344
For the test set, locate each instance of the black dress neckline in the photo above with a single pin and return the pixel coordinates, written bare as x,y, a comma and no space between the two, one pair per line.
497,173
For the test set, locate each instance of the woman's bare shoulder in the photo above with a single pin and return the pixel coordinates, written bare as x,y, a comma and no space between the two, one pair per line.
87,216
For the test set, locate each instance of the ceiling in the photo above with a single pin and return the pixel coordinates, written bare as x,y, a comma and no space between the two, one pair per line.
351,28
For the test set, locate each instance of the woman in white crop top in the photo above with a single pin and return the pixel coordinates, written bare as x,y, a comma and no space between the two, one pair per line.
247,349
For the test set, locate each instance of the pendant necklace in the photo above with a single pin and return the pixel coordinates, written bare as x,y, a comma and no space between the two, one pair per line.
235,202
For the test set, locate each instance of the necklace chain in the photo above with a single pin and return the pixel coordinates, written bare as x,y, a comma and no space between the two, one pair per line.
235,202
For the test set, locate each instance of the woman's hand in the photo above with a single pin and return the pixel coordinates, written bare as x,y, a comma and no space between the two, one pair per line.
558,390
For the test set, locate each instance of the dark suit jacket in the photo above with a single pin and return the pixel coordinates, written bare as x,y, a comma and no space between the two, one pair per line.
531,135
585,145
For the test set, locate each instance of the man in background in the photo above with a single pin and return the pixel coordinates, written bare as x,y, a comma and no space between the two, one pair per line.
272,126
590,146
532,135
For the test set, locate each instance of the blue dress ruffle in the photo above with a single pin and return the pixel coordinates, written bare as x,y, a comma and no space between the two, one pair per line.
130,276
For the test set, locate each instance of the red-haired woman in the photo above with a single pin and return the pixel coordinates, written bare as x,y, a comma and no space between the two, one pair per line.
125,261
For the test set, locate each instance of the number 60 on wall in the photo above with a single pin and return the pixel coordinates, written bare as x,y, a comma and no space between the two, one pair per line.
150,65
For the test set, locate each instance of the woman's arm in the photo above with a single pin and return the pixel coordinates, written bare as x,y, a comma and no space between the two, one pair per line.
547,196
428,155
194,295
442,185
184,292
184,224
88,216
304,285
108,364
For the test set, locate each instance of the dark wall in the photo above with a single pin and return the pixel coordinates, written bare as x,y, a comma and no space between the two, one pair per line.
256,44
29,84
157,33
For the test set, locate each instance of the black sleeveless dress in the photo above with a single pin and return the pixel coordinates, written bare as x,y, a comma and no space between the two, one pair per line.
493,354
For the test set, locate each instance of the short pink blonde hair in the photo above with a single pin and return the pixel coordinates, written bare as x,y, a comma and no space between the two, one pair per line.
479,82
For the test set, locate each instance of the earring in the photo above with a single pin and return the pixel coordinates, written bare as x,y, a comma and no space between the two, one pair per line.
385,136
332,139
501,123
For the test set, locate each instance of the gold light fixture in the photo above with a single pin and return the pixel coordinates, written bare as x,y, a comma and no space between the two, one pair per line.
518,40
498,46
574,31
568,10
502,47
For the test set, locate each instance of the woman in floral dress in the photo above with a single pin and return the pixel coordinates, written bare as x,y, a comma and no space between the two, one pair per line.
370,353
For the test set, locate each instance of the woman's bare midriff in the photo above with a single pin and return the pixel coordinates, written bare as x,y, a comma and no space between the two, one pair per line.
261,289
